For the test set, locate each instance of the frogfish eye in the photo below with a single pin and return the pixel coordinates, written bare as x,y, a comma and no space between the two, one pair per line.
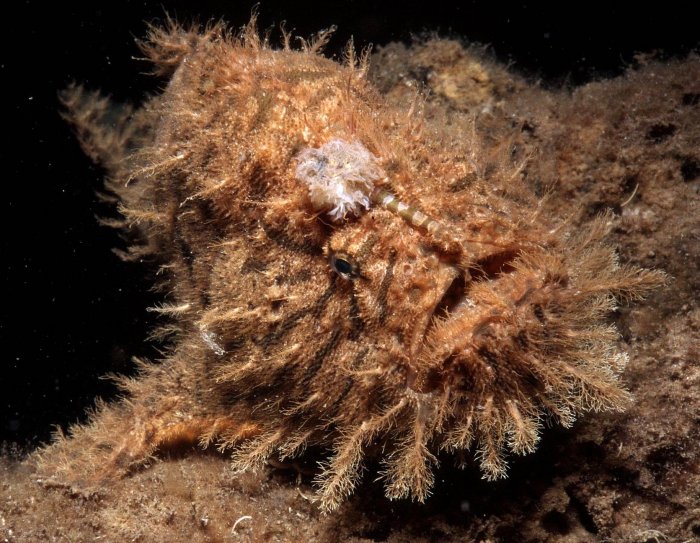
344,266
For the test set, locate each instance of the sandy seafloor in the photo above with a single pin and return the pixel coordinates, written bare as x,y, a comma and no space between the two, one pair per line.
629,144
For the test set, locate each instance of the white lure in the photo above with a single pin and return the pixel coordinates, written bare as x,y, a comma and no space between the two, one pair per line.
340,176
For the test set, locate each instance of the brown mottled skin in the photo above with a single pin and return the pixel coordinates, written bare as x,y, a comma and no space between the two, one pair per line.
434,342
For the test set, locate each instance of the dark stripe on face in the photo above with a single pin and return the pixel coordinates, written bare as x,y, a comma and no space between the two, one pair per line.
288,324
320,356
383,289
357,325
233,343
361,254
197,284
215,224
294,278
253,264
258,185
338,402
282,239
359,358
185,252
280,381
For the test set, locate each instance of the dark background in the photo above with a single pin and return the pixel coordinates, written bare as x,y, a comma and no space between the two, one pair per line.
71,310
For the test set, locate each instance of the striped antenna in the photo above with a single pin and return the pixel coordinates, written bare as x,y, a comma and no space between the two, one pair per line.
416,218
412,215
